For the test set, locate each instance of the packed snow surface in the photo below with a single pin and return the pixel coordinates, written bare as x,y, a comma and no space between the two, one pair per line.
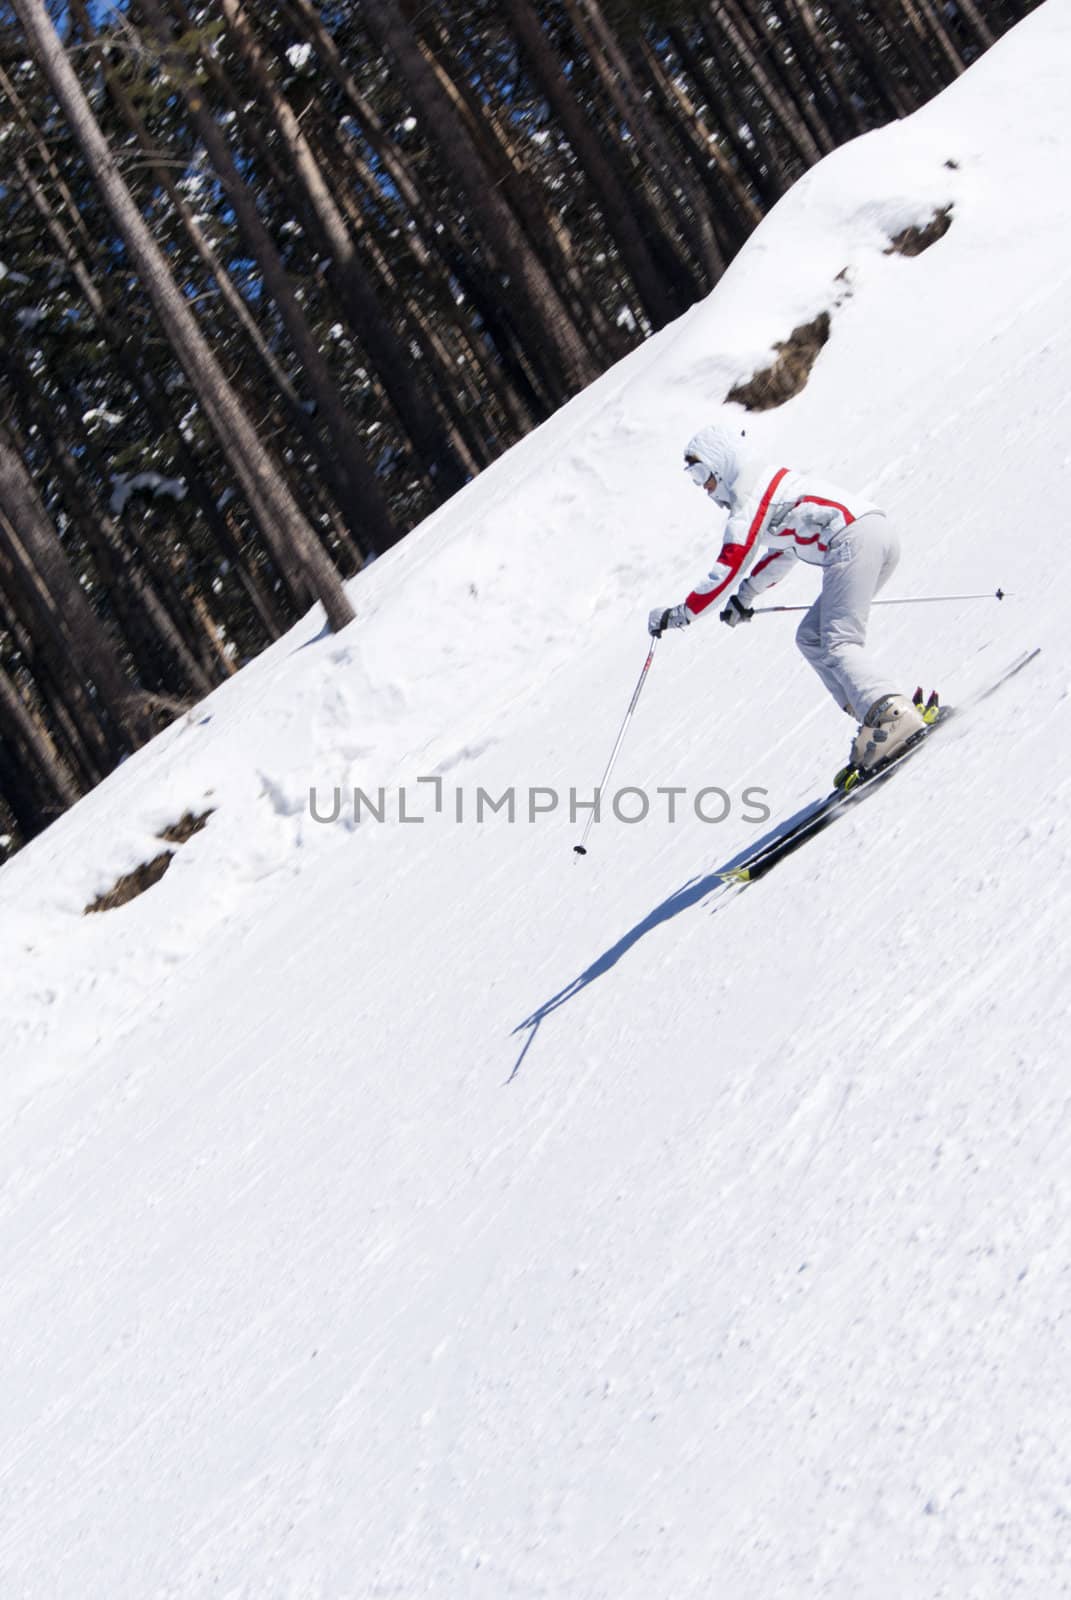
413,1208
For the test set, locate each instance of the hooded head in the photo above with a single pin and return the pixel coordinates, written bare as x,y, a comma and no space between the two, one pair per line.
715,449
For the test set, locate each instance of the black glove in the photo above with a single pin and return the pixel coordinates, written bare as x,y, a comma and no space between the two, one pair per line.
736,611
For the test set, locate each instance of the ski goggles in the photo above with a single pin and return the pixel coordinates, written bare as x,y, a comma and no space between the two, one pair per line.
698,471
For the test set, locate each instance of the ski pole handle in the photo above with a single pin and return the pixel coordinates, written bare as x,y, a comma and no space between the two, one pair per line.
581,848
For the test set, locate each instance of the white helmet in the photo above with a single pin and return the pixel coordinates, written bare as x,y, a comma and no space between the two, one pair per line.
715,449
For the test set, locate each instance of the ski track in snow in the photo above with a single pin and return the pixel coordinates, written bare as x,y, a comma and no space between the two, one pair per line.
408,1211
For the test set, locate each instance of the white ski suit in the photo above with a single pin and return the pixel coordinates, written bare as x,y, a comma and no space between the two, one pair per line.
798,517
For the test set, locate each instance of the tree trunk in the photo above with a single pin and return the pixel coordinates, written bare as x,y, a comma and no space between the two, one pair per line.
813,92
732,113
670,169
887,90
158,409
436,244
914,38
526,287
359,493
36,799
44,647
545,232
36,547
734,211
615,202
366,314
294,543
732,20
164,659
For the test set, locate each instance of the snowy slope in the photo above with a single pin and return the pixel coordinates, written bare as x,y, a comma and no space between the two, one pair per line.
415,1210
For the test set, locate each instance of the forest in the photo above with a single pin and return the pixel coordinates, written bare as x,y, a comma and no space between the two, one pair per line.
277,279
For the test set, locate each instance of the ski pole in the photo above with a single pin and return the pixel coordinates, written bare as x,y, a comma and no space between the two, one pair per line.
581,847
914,600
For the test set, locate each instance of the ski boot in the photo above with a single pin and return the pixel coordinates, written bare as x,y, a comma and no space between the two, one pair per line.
892,723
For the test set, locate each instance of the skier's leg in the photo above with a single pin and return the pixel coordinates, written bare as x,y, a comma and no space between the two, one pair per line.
861,561
809,641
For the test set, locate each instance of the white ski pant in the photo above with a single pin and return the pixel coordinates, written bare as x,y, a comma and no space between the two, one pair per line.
832,636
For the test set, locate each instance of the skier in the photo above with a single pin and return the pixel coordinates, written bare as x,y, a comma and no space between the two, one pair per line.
802,518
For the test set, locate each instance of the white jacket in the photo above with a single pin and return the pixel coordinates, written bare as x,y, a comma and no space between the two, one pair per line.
796,515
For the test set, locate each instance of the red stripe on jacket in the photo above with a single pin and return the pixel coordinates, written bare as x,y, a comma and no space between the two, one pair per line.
699,602
774,555
816,500
816,538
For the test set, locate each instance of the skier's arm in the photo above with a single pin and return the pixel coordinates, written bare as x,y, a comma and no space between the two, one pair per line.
719,578
765,573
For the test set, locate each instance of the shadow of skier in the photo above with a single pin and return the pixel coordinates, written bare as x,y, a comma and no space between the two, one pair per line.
694,891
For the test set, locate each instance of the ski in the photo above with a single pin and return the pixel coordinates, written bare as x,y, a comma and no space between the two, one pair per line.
826,811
